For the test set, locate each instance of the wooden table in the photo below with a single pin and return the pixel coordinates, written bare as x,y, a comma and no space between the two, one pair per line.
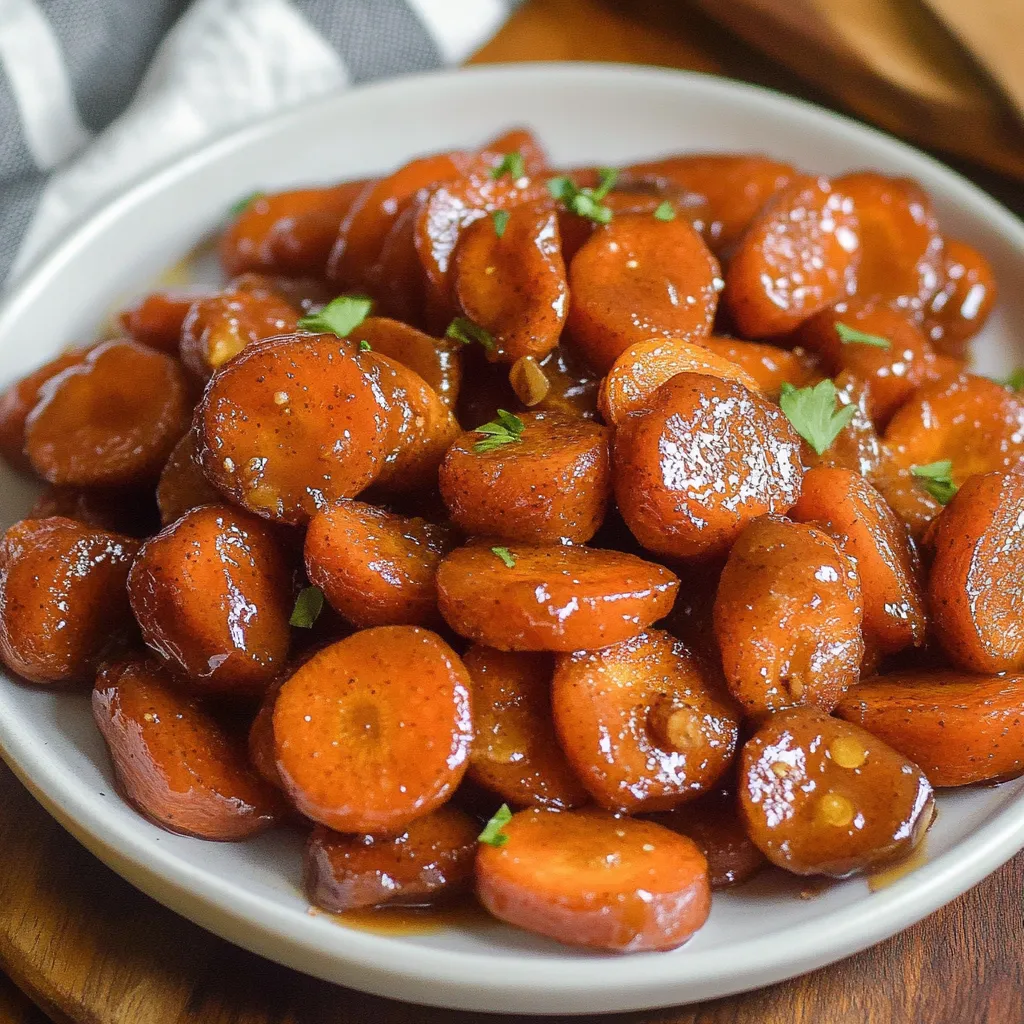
92,950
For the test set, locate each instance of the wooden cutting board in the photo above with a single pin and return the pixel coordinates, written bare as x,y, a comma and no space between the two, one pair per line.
947,74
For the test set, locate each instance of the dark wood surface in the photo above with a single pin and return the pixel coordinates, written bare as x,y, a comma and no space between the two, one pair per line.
90,949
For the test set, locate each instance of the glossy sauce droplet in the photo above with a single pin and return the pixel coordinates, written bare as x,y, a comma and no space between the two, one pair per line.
834,809
847,752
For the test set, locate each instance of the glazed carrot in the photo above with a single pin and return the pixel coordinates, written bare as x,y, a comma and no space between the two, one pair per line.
875,343
173,762
556,598
973,587
182,485
63,605
420,426
706,457
715,823
959,728
212,595
552,481
376,568
971,421
437,360
373,732
431,860
516,753
735,187
768,365
448,210
643,725
572,385
513,283
967,293
156,320
643,367
798,256
217,328
638,278
857,518
396,279
19,399
905,494
89,428
901,248
260,741
291,425
289,233
593,879
788,618
824,797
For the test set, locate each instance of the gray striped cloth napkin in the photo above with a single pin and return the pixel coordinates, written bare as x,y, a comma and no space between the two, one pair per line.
93,93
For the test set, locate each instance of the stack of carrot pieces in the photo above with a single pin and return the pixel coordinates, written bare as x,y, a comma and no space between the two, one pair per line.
412,498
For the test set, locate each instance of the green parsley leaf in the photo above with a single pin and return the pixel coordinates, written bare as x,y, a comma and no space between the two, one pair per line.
812,411
851,336
239,207
506,429
492,834
665,211
340,316
308,606
585,202
506,556
365,346
511,163
500,218
1015,382
464,330
937,480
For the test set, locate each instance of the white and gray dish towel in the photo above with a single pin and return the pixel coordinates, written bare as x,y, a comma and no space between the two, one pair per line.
95,93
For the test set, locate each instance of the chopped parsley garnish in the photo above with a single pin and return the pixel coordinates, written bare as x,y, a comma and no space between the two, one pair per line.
1015,381
340,316
511,163
500,218
493,834
464,330
937,480
665,211
812,411
365,346
506,556
507,428
851,336
239,207
308,606
585,202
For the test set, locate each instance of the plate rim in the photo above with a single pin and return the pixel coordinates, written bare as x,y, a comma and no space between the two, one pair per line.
481,978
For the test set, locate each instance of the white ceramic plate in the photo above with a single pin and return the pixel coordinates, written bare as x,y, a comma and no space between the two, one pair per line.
249,893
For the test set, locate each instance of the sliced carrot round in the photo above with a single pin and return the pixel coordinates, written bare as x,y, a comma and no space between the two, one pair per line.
959,729
212,595
173,762
964,301
643,367
63,604
291,425
373,732
553,482
642,724
788,618
593,879
516,753
88,428
638,278
156,320
432,859
974,584
513,284
556,598
857,518
768,365
182,485
798,256
374,567
705,458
